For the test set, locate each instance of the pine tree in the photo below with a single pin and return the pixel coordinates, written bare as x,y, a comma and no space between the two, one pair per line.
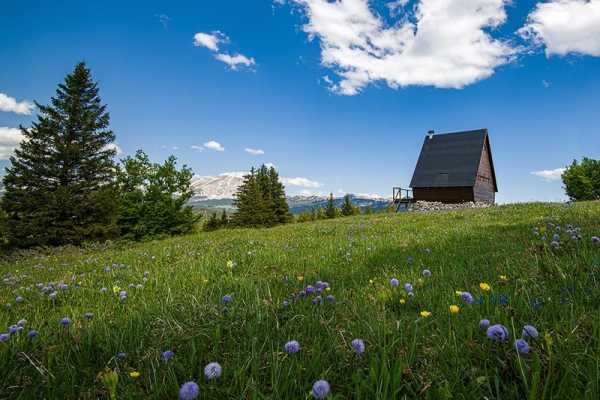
212,223
281,209
224,219
249,202
347,207
330,209
60,187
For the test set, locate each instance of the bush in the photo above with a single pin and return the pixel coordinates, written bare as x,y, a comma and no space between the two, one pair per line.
582,180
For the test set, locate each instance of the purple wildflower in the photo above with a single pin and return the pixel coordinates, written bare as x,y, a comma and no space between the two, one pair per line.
189,391
4,337
330,298
66,321
497,332
227,299
121,355
596,239
467,297
394,282
19,299
320,389
291,347
22,322
122,295
522,346
302,294
408,287
286,303
309,289
317,300
103,290
530,331
358,345
167,355
484,323
12,329
213,370
32,334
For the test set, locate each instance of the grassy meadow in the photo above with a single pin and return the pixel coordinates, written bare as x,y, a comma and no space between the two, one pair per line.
127,304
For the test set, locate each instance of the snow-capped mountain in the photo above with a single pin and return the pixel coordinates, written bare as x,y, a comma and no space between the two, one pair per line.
218,187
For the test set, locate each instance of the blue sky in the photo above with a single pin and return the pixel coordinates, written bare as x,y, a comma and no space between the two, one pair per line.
330,92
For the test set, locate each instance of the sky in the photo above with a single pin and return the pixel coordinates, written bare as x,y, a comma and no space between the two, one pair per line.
338,95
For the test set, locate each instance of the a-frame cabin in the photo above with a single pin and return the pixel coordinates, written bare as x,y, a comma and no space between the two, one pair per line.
455,168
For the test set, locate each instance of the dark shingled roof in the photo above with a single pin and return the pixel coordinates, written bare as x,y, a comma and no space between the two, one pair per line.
451,160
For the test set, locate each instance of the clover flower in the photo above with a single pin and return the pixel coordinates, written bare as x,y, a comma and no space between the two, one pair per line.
189,391
358,345
530,331
522,346
497,332
291,347
320,389
213,370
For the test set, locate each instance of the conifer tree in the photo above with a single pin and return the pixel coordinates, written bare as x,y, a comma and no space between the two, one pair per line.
60,187
281,209
347,207
224,219
330,209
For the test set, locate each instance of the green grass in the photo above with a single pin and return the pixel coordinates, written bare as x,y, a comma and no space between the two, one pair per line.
443,356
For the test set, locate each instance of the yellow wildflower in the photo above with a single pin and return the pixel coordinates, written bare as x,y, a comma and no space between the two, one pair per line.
116,289
484,286
454,309
300,278
503,278
425,314
402,301
328,289
134,374
371,281
230,264
458,293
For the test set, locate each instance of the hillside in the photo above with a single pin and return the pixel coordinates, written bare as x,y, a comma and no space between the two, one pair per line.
127,304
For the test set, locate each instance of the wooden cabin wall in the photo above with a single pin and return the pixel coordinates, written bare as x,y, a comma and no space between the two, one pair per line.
444,194
484,190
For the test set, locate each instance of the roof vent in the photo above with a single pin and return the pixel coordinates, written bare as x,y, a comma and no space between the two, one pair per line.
430,134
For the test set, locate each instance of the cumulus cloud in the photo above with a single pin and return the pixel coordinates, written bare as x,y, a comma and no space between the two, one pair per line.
214,145
210,40
10,138
549,174
440,43
10,104
254,152
113,146
235,61
301,182
565,26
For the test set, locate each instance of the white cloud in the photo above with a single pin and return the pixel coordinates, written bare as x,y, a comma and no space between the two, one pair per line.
9,104
565,26
301,182
210,40
235,61
254,152
115,147
441,43
197,147
549,174
213,145
10,138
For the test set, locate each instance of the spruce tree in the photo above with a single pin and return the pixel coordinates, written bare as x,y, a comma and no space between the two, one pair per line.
330,209
281,209
347,207
224,219
60,186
